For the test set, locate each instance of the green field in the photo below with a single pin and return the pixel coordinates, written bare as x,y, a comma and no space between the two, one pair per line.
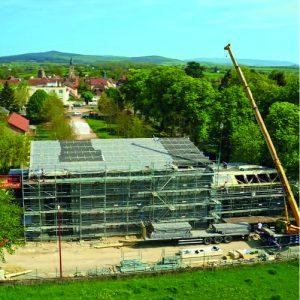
102,129
269,281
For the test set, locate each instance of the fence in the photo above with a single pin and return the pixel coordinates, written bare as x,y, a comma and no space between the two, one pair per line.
131,263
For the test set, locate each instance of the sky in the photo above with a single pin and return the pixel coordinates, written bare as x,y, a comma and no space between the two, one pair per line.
256,29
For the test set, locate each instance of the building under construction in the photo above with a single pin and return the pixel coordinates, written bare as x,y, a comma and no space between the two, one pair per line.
101,188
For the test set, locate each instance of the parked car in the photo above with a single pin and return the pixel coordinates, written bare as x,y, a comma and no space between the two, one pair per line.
77,114
78,104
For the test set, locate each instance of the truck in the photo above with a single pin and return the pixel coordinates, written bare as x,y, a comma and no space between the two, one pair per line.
182,234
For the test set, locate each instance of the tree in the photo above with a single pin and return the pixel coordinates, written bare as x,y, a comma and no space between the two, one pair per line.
87,96
194,69
283,125
278,76
7,98
21,95
61,128
247,143
53,111
14,150
11,230
107,107
52,107
82,86
35,104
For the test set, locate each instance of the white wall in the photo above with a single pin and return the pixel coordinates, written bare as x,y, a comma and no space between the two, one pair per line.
61,91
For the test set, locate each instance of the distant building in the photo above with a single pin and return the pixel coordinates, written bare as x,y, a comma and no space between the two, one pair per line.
41,73
63,92
99,85
11,80
55,82
18,123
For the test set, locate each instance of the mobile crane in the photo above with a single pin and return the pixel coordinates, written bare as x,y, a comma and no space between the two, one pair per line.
285,231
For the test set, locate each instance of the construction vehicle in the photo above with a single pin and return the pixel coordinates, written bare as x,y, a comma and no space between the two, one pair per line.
216,234
285,232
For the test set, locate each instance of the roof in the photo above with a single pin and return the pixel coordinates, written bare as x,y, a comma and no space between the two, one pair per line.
114,155
11,81
18,121
42,81
98,81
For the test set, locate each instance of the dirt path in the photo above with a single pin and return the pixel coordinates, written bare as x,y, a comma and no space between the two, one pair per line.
79,119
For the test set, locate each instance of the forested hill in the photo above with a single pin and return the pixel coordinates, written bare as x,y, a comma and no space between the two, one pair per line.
61,57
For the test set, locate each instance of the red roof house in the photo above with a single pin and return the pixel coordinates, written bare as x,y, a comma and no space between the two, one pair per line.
18,123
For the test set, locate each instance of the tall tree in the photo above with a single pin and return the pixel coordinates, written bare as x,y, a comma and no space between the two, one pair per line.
278,76
7,98
194,69
21,95
11,230
87,96
283,124
14,150
35,105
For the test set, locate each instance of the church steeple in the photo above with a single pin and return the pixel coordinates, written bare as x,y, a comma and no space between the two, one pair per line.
71,69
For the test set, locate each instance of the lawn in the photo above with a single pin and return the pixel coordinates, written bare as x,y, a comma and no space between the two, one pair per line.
103,129
270,281
43,133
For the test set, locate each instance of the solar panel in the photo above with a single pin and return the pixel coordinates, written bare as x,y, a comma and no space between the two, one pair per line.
76,151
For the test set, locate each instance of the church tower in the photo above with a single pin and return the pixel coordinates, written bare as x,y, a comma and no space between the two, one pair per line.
71,70
41,73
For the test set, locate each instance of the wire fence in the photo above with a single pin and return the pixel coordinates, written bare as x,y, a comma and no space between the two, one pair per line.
132,263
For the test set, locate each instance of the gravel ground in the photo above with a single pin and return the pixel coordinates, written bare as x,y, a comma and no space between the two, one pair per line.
82,256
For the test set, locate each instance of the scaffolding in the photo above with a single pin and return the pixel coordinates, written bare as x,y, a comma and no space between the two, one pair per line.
100,199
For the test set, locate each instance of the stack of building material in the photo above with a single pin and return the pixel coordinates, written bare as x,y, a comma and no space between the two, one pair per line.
168,263
232,228
133,265
170,230
200,255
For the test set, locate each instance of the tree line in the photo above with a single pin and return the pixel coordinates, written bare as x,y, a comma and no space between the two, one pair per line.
217,116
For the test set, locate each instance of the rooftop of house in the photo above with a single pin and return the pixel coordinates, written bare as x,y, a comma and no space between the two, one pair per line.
98,81
11,81
18,121
43,81
115,155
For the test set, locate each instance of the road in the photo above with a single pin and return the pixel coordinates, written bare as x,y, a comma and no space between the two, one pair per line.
81,122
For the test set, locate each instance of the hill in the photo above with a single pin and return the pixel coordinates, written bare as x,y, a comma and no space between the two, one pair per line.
246,62
61,57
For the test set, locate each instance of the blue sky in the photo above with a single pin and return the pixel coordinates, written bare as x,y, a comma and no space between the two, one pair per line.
257,29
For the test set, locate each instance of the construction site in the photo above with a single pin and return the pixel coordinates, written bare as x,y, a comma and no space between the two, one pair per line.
99,188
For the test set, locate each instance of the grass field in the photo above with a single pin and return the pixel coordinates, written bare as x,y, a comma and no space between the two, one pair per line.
270,281
42,133
103,129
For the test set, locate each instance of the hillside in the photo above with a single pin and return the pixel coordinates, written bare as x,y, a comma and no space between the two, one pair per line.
61,57
246,62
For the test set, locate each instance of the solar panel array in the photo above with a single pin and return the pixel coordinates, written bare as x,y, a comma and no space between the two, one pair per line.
73,151
115,155
184,152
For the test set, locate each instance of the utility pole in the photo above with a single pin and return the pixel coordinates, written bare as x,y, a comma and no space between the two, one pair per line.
59,241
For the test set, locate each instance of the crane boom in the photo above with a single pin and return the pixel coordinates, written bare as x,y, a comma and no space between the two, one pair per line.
261,123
